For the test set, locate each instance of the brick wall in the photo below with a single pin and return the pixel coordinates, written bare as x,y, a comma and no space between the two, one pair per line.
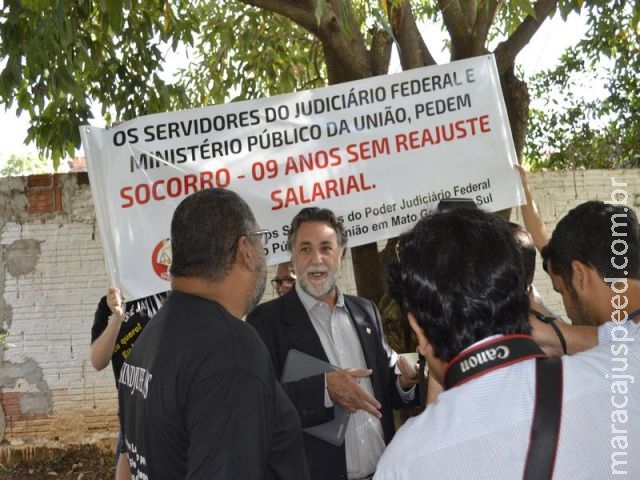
52,274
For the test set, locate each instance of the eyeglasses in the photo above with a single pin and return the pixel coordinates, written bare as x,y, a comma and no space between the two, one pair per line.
263,234
279,282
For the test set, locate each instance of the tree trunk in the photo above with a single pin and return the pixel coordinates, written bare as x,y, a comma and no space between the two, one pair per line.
516,98
368,272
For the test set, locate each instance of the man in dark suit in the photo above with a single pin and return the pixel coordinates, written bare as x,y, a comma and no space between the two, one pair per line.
318,319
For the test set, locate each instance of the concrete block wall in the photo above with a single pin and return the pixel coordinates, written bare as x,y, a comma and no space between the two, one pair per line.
52,274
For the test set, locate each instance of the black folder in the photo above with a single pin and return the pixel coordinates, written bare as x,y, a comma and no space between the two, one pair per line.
299,365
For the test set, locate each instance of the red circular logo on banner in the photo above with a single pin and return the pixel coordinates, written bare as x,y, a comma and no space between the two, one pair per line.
161,258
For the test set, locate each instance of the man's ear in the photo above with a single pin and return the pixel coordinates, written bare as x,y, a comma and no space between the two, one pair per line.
436,366
245,252
581,275
423,341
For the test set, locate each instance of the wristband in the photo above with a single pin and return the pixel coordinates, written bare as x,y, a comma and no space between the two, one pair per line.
550,321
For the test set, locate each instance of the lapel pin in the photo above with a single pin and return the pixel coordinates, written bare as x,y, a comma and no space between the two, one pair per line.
368,330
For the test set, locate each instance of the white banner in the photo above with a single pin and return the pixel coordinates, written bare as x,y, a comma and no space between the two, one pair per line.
379,152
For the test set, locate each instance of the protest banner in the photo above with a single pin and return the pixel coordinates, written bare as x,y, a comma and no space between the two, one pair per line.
380,152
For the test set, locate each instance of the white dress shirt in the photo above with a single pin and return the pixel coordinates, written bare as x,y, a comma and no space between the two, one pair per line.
364,438
480,429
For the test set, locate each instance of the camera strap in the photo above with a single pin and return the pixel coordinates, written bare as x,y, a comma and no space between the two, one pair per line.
488,356
545,427
547,414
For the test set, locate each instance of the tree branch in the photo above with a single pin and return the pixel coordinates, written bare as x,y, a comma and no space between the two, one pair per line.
469,9
344,50
507,51
457,26
346,55
412,49
301,12
483,21
381,45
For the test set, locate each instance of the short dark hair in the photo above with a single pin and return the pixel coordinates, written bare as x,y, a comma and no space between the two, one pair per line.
460,274
589,233
205,230
315,214
527,247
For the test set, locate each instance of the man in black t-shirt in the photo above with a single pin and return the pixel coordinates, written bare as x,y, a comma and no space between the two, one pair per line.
116,326
198,395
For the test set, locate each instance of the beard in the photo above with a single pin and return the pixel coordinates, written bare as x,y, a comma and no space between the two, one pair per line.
579,312
318,290
258,290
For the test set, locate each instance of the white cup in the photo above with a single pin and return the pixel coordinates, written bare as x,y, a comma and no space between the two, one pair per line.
411,357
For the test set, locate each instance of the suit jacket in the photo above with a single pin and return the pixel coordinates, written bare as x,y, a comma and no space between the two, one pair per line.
284,324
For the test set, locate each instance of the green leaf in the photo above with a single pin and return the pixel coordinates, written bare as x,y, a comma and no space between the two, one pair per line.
321,7
347,17
115,13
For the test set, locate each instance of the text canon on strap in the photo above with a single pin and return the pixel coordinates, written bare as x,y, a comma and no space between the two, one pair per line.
490,355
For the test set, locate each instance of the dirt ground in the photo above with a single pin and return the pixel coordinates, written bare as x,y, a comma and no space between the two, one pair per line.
78,462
